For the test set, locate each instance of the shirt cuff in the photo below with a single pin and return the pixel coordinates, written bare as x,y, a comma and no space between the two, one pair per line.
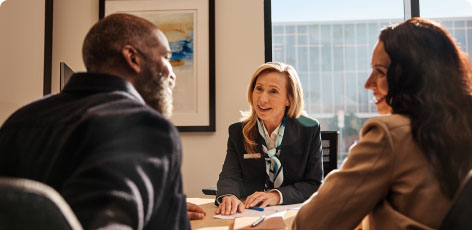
281,197
220,198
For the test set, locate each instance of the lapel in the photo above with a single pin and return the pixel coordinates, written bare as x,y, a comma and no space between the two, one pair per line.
283,145
289,134
259,141
288,140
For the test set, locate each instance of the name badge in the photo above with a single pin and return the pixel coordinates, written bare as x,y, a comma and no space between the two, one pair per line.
252,156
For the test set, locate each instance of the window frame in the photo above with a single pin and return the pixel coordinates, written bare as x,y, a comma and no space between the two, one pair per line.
411,8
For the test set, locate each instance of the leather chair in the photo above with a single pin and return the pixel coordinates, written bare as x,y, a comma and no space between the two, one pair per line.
27,204
460,215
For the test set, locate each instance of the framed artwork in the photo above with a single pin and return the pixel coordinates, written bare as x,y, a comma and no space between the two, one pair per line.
189,26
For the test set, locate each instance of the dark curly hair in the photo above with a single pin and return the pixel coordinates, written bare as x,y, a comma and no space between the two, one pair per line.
429,81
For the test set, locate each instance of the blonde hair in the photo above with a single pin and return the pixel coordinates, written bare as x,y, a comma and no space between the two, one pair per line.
294,94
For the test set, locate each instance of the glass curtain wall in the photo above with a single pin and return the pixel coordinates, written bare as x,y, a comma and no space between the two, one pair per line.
330,44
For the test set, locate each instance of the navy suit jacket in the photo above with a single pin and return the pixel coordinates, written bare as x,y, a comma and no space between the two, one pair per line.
300,155
115,160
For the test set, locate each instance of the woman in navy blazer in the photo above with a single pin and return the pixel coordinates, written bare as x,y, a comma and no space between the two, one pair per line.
274,155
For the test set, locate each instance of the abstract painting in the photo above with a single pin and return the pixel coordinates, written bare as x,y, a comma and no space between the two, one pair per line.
179,27
189,26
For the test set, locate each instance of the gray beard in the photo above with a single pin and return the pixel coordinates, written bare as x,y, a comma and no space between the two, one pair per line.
155,92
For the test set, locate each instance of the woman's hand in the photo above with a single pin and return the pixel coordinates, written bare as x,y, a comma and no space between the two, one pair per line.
230,205
263,198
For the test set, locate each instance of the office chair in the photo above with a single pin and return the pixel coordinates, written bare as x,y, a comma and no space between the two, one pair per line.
460,215
27,204
329,144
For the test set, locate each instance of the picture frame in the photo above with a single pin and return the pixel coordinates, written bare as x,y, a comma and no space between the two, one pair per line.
189,25
47,71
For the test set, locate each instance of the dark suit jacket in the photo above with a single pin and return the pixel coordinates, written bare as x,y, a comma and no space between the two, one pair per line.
300,155
115,160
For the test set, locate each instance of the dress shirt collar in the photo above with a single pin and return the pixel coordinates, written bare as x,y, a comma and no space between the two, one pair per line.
270,139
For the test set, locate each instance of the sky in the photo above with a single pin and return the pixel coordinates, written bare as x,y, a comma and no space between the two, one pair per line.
334,10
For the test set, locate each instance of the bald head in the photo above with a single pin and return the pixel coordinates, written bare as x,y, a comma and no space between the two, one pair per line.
105,40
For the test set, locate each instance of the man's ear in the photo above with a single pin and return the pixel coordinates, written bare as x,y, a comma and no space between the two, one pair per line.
134,61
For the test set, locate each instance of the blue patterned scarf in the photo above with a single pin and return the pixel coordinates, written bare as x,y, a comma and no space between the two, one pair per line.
274,169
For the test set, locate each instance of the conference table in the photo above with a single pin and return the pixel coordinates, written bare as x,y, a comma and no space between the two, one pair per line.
211,223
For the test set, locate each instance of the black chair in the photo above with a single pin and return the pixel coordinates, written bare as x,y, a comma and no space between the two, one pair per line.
329,144
460,215
27,204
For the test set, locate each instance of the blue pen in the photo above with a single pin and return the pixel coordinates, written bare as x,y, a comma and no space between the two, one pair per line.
257,208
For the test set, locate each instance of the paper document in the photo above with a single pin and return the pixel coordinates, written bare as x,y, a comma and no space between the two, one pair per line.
270,211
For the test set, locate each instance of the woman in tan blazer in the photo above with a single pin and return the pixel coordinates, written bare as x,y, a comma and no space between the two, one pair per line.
407,166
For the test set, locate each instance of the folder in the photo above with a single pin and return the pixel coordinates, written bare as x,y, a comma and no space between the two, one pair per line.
269,223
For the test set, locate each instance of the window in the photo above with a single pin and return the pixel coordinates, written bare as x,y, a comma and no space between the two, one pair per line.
455,16
330,44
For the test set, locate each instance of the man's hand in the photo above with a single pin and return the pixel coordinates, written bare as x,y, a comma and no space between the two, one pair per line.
230,205
194,212
262,198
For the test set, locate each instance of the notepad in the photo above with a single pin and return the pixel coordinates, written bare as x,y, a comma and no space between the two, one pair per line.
269,223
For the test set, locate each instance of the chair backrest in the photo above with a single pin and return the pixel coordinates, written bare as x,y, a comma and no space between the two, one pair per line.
27,204
460,214
329,143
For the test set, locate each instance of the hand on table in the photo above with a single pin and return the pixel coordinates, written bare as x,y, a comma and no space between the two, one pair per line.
194,212
262,198
229,205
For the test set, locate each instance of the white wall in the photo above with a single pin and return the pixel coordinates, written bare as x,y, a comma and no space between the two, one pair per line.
72,20
21,54
239,47
239,37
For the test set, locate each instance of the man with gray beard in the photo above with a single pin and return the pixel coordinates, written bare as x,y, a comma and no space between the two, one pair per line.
104,142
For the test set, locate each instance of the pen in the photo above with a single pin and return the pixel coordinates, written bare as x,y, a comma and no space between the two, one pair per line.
258,221
257,208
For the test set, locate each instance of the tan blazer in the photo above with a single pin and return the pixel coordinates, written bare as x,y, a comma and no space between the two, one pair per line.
386,180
